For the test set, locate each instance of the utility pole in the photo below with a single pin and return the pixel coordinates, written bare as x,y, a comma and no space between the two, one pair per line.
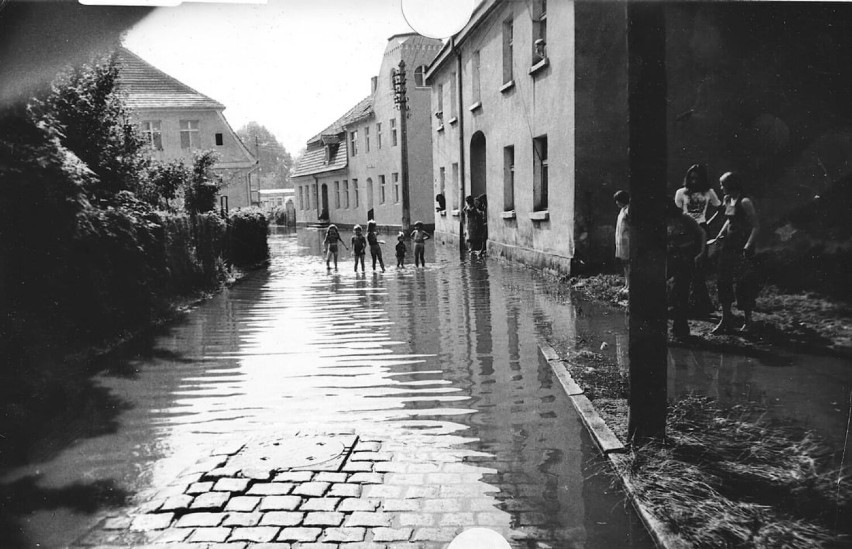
400,99
646,98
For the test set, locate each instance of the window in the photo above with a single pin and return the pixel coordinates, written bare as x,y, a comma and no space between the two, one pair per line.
453,86
353,139
366,138
474,75
393,132
442,181
439,113
508,49
382,190
539,37
355,191
540,173
219,139
189,134
508,179
455,185
152,134
420,76
314,202
301,197
337,194
395,181
379,135
346,194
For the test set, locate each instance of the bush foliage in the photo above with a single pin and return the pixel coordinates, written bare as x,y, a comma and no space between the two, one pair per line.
97,237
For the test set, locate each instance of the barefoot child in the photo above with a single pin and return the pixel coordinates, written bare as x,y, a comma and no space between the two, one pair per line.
419,236
332,237
375,245
400,250
359,247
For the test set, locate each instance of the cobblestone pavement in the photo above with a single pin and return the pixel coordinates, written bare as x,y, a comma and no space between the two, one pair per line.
369,494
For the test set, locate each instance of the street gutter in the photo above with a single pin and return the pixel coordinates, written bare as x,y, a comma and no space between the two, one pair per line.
612,448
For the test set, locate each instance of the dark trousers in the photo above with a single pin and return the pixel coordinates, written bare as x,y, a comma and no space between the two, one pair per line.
680,269
737,278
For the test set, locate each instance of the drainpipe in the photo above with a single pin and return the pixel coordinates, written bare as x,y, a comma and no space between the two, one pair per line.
460,110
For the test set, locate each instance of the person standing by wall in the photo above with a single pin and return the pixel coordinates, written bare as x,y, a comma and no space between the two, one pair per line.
737,277
622,236
473,220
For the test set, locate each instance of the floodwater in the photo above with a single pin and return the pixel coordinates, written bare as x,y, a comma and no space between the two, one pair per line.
442,359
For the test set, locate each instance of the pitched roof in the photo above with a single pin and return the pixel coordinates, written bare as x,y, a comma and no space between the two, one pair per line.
149,87
313,161
361,110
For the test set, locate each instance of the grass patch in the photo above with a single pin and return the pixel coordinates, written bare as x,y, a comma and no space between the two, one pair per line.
731,478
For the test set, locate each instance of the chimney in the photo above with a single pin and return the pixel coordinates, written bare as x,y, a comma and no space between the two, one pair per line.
374,83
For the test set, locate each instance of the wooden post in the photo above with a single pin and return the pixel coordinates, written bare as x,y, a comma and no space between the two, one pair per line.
646,50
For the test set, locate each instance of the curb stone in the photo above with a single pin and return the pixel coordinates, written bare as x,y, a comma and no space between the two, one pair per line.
613,450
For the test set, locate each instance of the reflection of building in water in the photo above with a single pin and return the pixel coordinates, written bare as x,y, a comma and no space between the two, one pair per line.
490,346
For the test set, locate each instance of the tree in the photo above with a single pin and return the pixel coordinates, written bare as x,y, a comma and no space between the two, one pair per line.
86,109
274,160
201,189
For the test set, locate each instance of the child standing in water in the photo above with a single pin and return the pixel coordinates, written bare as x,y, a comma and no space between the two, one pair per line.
419,236
359,247
332,237
400,250
375,245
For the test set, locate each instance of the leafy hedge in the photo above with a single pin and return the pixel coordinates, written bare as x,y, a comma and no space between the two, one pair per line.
248,237
95,236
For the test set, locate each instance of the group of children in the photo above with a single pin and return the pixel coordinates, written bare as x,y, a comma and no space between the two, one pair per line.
360,243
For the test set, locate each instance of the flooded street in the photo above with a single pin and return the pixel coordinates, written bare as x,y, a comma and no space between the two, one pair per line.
440,365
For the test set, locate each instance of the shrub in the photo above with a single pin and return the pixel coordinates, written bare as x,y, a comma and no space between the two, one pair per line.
248,237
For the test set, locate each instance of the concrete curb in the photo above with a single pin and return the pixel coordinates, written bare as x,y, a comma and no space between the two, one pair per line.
612,448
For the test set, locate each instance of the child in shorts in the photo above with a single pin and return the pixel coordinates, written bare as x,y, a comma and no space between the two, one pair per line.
400,250
375,245
359,247
332,237
419,236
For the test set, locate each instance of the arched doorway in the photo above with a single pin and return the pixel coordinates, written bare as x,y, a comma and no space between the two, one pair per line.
370,198
323,213
478,168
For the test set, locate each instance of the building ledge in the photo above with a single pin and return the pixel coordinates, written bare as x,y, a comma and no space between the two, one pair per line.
475,106
538,67
455,213
542,215
508,215
440,128
507,86
453,121
443,213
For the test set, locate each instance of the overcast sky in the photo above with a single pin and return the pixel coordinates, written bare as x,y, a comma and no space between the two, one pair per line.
294,66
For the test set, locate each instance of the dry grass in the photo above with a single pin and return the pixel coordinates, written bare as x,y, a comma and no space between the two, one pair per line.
730,479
